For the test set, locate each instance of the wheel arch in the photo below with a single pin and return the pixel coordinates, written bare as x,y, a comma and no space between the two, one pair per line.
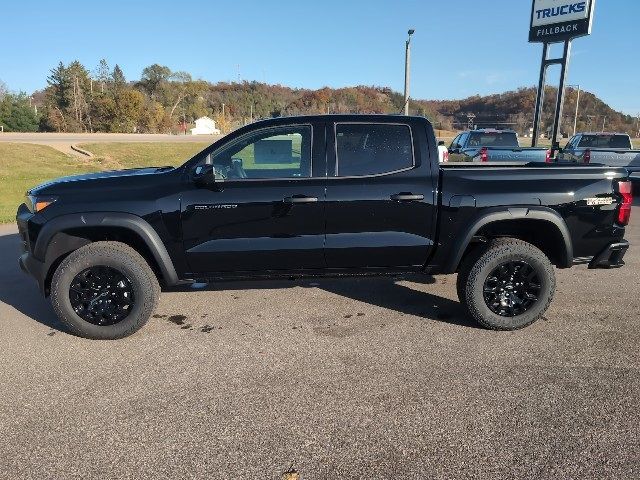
62,235
524,223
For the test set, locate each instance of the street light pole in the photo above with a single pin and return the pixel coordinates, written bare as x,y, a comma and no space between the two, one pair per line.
575,118
407,62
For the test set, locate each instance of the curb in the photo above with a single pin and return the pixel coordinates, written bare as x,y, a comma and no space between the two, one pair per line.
75,148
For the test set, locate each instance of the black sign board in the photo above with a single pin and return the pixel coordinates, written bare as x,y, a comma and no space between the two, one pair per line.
559,20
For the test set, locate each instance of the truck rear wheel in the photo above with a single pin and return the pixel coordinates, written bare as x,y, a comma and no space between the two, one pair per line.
507,285
104,290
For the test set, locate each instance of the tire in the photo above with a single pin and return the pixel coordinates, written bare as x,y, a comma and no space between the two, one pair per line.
122,264
491,297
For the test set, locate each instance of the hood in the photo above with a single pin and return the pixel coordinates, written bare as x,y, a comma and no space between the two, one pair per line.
131,172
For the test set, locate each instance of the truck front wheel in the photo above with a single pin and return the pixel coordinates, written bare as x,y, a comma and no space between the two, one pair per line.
104,290
507,285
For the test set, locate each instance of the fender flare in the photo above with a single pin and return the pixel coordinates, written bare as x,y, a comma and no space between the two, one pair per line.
505,214
47,238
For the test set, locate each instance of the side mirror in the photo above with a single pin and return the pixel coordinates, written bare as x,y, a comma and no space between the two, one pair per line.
204,175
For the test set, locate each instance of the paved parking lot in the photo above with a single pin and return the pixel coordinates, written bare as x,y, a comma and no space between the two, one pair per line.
380,378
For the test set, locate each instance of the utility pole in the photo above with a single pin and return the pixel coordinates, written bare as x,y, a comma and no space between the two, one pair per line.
470,117
407,65
638,125
223,109
251,114
604,121
590,117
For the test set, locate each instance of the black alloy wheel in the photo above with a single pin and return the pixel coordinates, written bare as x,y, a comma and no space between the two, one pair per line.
512,288
101,295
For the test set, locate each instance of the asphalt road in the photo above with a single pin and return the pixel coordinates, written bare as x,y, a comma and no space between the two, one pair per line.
335,379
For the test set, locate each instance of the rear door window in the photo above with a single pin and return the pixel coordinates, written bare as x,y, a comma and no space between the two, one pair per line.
491,139
372,149
605,141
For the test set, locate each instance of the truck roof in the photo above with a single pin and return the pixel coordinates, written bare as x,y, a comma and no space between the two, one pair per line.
491,130
603,134
341,117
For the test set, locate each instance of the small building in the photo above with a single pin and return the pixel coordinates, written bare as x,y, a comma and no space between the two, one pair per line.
205,126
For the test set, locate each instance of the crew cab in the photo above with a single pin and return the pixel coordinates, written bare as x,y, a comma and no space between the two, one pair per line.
319,196
613,149
491,145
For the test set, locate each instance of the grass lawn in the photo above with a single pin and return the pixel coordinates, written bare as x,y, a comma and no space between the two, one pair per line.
23,166
111,156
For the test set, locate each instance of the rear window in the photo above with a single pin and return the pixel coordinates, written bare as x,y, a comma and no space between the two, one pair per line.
491,139
605,141
371,149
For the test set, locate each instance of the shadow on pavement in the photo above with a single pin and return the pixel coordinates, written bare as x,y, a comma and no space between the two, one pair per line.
383,292
387,293
20,291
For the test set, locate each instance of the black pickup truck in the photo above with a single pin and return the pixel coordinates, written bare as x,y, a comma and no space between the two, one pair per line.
319,196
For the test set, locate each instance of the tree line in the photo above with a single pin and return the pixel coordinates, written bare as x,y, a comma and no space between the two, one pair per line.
514,110
77,99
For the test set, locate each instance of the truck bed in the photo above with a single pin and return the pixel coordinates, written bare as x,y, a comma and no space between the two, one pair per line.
469,190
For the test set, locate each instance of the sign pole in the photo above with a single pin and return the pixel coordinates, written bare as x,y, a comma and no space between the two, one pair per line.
560,99
556,21
540,95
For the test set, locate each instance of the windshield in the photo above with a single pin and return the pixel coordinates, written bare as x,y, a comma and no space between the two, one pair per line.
605,141
493,139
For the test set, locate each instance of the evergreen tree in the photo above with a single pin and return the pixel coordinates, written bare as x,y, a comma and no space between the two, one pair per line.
118,77
59,83
16,115
103,75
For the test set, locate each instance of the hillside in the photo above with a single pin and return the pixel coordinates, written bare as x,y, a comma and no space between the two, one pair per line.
515,110
77,99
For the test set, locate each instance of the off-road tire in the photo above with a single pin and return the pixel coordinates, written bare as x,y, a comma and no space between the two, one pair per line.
122,258
477,266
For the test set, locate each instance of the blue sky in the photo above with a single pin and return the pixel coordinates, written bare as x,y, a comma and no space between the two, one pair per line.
460,48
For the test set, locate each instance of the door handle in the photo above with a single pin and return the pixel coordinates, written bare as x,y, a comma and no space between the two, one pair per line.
300,199
407,197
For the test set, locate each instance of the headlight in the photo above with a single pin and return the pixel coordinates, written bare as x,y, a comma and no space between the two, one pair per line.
36,203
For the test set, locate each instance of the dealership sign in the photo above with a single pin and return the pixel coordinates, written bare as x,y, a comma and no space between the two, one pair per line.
559,20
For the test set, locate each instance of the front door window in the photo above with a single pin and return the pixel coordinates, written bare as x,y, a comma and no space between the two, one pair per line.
268,154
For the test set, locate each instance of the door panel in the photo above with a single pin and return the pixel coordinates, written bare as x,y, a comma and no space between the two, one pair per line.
366,228
252,221
250,226
383,220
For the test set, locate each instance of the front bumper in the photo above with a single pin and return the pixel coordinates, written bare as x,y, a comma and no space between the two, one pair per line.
611,257
28,263
33,267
